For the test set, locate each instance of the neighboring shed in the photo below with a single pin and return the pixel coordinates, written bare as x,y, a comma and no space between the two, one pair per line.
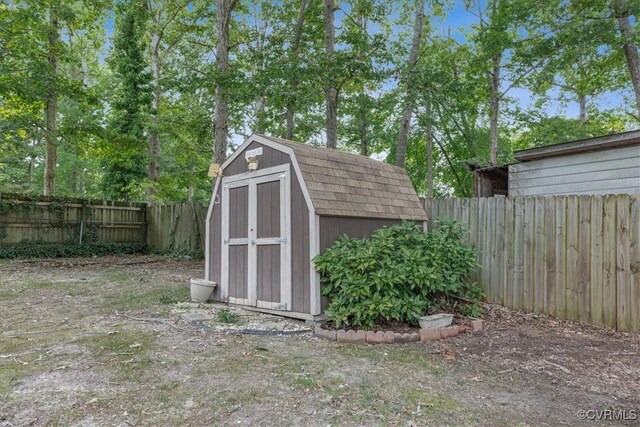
265,226
489,181
603,165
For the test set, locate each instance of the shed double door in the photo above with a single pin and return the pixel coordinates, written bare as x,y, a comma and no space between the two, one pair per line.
256,240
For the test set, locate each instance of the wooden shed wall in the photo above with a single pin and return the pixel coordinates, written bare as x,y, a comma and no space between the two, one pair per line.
332,227
612,171
300,249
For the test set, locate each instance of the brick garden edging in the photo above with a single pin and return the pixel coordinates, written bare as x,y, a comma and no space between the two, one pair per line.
389,337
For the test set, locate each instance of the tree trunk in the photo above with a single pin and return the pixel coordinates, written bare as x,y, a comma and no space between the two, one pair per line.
258,108
364,144
403,135
332,91
629,47
154,139
191,191
429,142
494,108
295,51
582,101
221,113
51,109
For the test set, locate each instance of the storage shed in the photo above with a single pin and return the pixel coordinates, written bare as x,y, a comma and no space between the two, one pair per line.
489,181
278,203
603,165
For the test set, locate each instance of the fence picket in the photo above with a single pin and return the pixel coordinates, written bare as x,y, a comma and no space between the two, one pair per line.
595,276
634,221
623,265
550,255
539,252
584,258
518,254
609,299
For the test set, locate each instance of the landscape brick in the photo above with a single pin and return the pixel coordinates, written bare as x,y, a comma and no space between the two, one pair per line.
375,337
351,337
406,338
429,334
325,333
477,325
449,332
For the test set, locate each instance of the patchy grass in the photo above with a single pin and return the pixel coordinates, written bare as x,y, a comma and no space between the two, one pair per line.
139,298
126,351
27,339
10,375
227,316
86,365
411,355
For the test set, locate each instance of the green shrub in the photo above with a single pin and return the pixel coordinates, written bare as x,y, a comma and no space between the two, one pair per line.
399,273
37,249
225,315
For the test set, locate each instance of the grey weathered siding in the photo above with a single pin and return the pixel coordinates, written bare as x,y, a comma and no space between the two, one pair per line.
300,245
613,171
332,227
300,249
268,273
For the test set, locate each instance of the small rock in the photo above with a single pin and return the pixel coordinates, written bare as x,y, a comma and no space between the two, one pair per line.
187,305
195,317
477,325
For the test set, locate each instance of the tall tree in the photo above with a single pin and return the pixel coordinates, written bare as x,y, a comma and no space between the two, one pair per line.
405,123
221,112
51,108
163,39
125,169
428,136
331,92
629,46
293,59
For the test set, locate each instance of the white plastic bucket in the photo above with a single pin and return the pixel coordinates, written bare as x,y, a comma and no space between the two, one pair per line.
201,290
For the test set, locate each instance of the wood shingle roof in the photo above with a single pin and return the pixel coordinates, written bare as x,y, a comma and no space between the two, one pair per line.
345,184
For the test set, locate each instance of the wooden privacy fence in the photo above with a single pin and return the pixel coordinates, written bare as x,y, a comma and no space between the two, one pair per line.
52,220
177,228
574,257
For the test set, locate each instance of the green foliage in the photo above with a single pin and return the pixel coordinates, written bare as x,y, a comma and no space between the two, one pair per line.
124,166
399,273
225,315
35,249
553,54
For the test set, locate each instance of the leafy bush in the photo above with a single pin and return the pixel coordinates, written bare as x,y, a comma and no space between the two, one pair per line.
399,273
36,249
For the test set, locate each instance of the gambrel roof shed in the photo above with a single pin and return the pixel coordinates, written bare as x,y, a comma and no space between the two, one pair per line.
346,184
269,219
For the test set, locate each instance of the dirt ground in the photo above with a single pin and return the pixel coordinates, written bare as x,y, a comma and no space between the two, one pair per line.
101,341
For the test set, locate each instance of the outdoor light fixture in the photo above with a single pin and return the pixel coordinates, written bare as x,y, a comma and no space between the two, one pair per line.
252,163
